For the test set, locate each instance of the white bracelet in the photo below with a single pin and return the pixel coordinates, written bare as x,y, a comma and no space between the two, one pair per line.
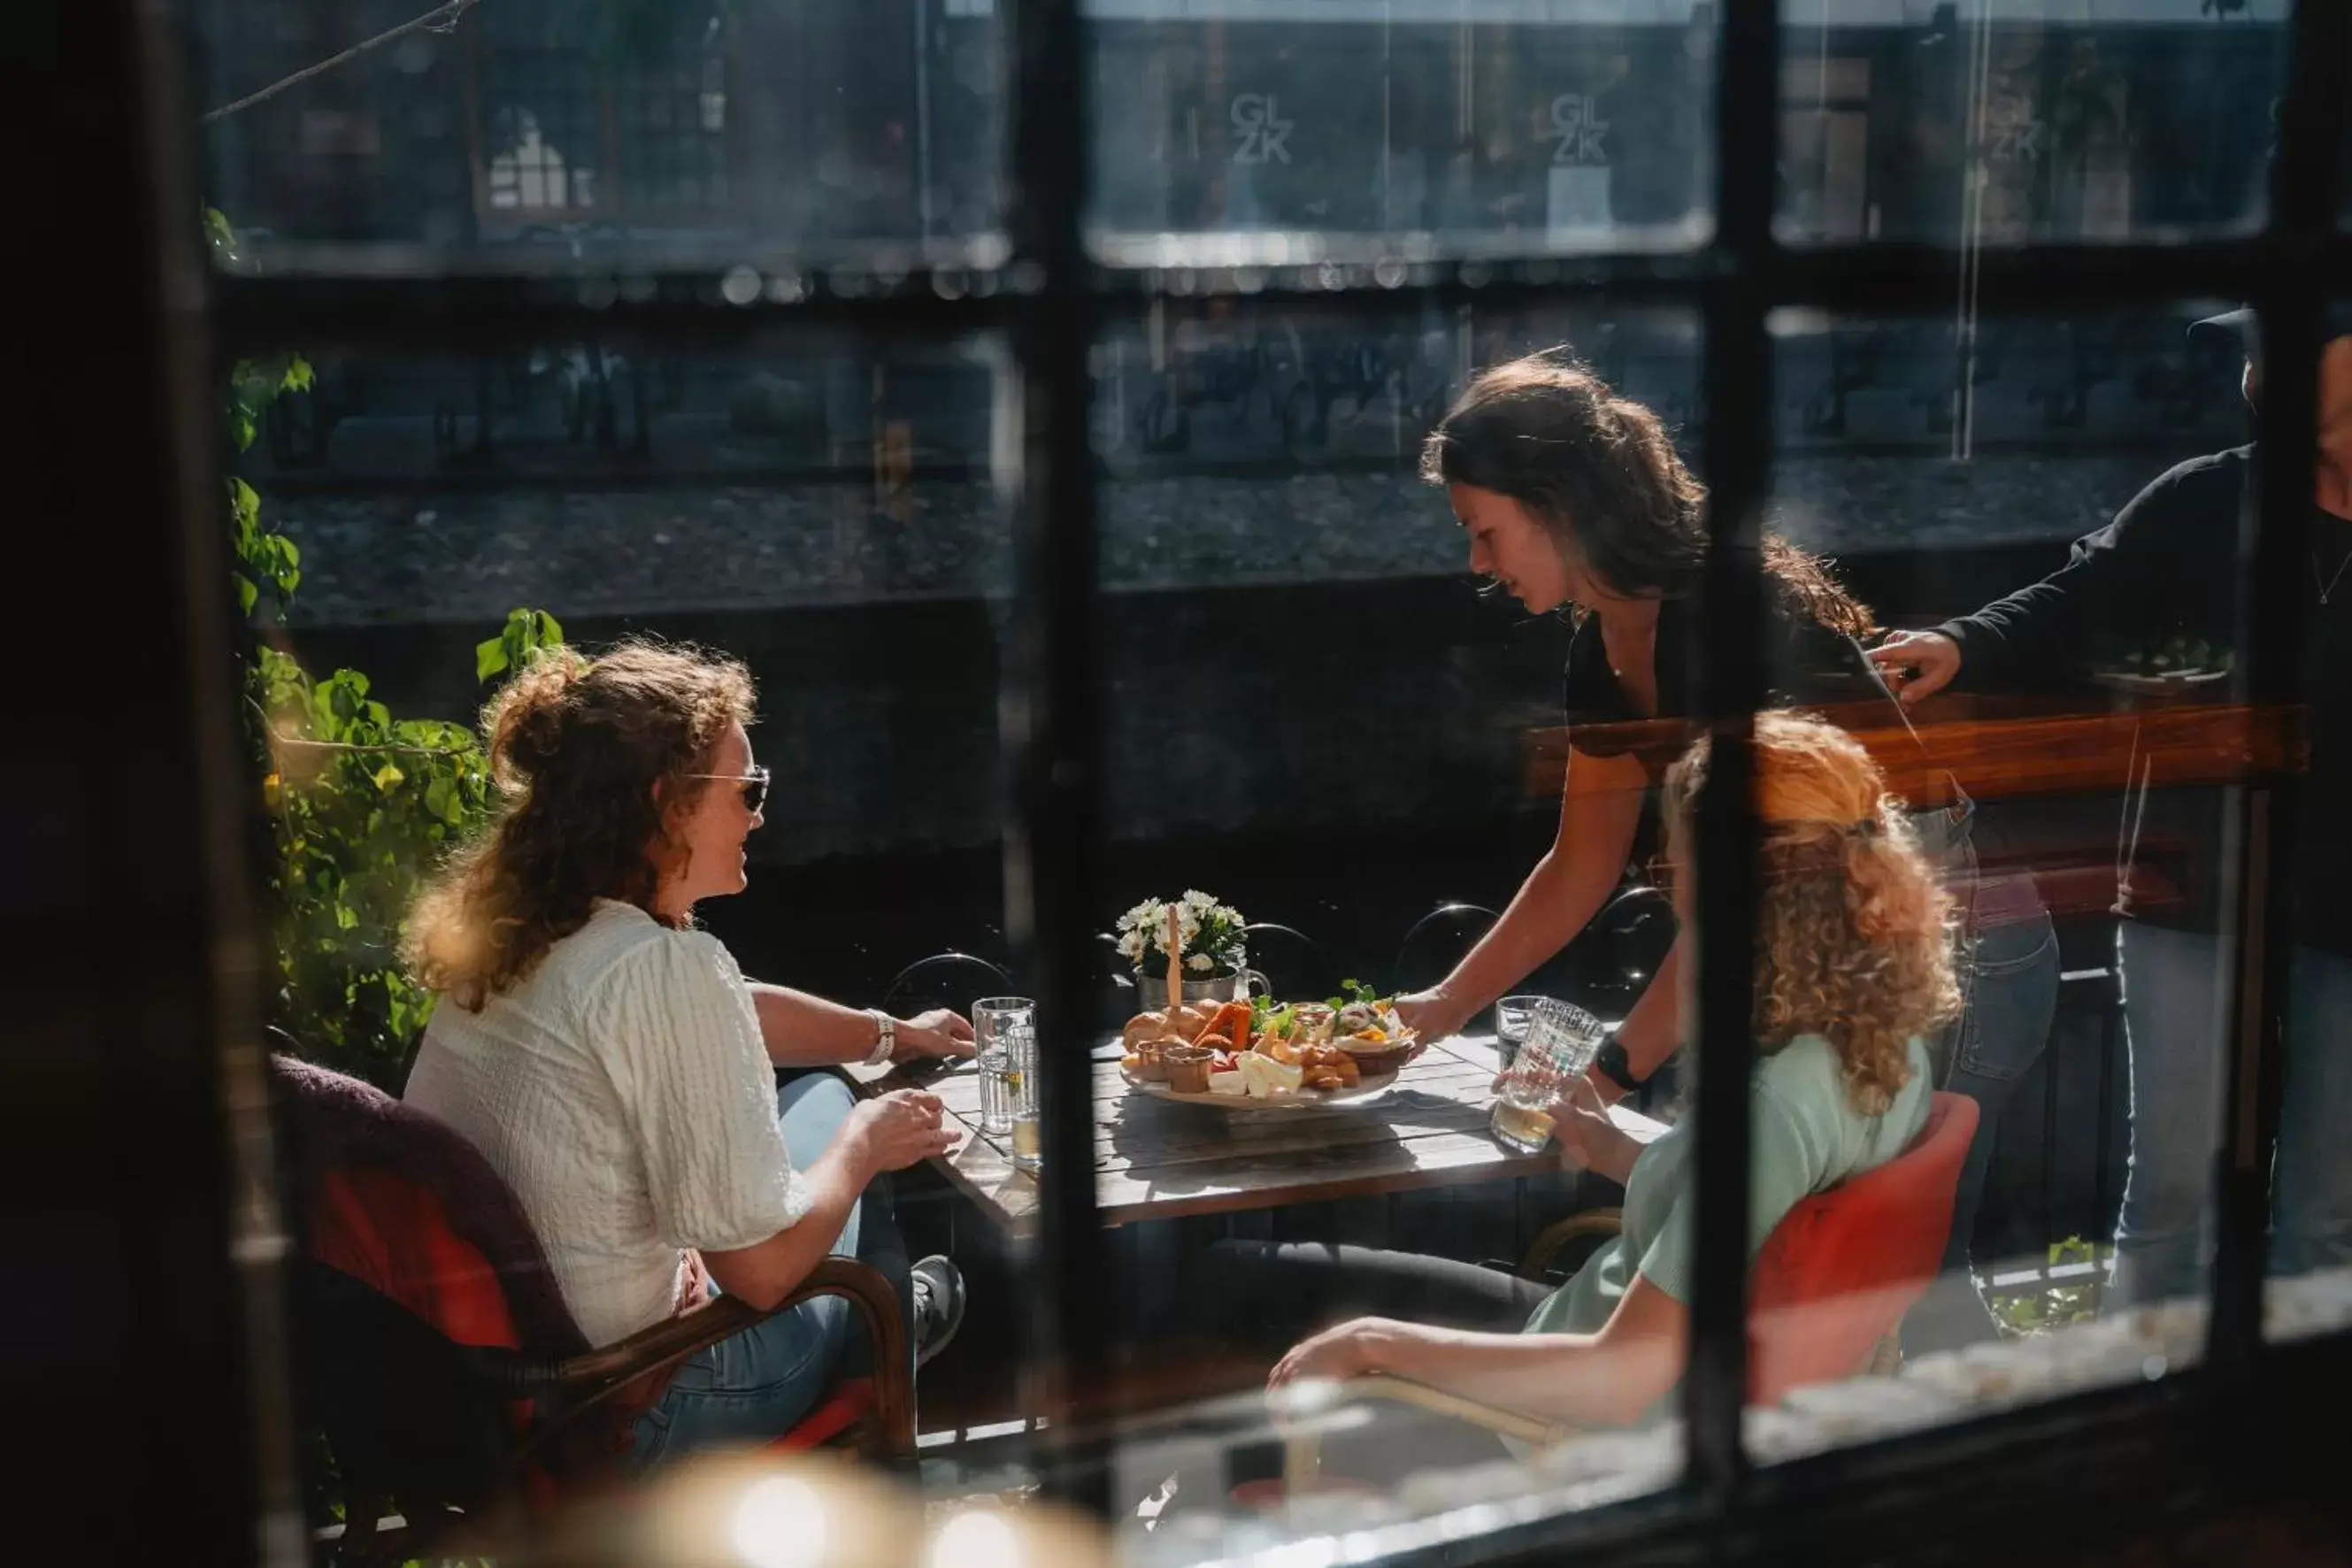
887,1027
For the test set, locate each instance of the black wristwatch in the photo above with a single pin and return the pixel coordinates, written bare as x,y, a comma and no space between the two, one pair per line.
1616,1067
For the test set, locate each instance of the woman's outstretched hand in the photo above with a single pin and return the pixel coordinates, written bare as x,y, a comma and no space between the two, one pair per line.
1916,664
1348,1350
1589,1139
902,1127
1433,1012
927,1037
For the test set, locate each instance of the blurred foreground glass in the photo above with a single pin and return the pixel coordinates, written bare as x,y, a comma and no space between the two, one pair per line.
1561,1041
996,1022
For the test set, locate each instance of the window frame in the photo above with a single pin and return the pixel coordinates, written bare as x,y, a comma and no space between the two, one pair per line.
1054,297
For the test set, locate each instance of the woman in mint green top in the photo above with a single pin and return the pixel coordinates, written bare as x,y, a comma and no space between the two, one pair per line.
1852,971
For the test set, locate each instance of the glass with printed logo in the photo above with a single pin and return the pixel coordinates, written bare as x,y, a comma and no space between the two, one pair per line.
1561,1041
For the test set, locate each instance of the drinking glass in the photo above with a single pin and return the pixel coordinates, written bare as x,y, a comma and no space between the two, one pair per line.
1512,1014
1021,1086
1561,1041
994,1020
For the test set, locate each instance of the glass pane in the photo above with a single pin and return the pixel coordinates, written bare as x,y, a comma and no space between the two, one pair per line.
678,134
413,530
2311,1194
1319,722
1332,126
1974,124
2054,511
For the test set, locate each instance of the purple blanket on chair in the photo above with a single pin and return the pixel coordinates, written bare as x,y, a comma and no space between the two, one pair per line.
333,1123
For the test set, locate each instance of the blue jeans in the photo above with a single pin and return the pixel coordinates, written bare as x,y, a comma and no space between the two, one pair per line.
2173,994
757,1384
2011,994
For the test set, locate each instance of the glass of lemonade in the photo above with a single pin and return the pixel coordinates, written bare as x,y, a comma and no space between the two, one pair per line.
1561,1041
994,1021
1021,1087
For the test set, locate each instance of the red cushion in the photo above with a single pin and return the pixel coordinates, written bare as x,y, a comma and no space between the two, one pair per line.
393,1237
1840,1269
845,1403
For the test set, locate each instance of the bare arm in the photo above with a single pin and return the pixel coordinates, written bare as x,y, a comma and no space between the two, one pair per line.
1654,1028
1606,1378
800,1030
883,1134
1600,808
765,1272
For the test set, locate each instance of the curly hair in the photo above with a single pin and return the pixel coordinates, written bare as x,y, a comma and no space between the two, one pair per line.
1600,472
594,759
1851,935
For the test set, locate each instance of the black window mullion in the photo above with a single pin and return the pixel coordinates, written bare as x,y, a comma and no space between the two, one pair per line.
2276,598
1728,633
1052,727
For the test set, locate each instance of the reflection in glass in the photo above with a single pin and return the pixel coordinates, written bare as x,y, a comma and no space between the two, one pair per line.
2093,863
1328,121
1973,125
684,132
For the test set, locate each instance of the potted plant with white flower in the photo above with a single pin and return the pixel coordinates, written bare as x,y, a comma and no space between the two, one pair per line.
1211,947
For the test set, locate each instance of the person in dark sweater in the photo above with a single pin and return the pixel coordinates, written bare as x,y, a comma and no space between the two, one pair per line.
2164,579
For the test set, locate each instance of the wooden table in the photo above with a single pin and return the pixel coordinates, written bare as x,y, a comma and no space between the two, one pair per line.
1157,1160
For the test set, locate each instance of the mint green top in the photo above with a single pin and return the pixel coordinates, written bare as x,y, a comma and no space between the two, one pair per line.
1804,1134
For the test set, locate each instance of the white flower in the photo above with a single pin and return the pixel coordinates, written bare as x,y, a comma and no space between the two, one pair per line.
1197,900
1199,962
1131,946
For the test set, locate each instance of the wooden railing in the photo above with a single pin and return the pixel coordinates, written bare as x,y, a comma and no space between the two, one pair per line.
2006,748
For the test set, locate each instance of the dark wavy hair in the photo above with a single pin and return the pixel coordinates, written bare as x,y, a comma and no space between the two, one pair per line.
1601,473
593,757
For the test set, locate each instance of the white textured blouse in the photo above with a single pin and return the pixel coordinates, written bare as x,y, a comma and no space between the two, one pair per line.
623,1092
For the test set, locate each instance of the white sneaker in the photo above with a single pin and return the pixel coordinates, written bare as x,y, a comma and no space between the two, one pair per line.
939,1306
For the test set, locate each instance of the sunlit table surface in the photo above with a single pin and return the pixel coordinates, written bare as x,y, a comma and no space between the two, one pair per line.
1156,1159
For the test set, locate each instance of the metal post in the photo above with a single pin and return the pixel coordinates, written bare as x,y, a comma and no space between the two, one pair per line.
1050,710
2275,601
1729,633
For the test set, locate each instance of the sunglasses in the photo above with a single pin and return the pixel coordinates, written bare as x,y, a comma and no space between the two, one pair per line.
754,785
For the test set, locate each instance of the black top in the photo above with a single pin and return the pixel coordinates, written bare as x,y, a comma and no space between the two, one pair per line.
2164,578
1807,664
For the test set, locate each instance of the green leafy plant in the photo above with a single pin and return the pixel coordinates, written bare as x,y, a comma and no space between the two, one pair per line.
2056,1303
362,805
1353,990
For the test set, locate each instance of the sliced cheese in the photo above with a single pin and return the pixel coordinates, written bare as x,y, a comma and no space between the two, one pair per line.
1234,1083
1263,1078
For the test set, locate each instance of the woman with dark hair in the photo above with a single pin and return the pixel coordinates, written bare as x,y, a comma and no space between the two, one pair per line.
1575,498
614,1067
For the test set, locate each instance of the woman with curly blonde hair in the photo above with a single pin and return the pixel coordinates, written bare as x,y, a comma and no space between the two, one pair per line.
1853,970
613,1066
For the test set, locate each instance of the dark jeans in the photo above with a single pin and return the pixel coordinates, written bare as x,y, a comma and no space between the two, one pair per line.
1270,1295
2011,988
2176,1021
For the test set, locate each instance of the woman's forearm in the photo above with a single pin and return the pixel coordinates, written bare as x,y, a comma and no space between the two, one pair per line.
766,1272
801,1030
1653,1027
1559,896
1568,1378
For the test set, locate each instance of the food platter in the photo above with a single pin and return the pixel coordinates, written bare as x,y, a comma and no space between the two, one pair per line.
1254,1054
1370,1086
